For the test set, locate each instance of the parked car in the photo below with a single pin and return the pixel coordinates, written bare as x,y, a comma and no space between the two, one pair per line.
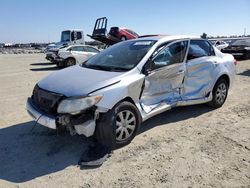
74,54
123,33
122,86
220,44
51,52
239,49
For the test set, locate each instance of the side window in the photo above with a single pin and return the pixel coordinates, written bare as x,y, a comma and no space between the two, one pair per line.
74,48
72,36
79,35
200,48
175,53
90,49
77,48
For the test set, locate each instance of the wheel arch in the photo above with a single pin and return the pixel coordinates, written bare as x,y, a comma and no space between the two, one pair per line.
224,76
128,99
70,57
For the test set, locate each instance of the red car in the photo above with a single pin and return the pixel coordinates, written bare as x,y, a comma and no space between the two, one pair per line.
123,33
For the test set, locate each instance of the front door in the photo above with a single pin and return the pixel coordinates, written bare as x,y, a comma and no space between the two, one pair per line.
79,53
164,82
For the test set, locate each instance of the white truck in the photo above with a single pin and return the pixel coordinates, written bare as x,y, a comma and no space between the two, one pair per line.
68,37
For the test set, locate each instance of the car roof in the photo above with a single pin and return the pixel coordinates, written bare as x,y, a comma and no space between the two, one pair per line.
79,45
166,38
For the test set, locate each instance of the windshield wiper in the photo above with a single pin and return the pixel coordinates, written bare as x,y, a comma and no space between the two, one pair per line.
120,69
97,67
105,68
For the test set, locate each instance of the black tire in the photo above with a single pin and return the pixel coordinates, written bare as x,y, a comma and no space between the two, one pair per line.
123,38
60,64
70,62
247,55
106,126
220,92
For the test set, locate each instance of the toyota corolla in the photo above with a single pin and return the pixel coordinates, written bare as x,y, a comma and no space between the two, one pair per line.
111,94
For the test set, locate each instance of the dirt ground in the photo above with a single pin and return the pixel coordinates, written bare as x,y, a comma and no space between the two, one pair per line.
193,146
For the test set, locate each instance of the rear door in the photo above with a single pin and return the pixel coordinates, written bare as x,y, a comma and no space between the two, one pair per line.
165,80
201,68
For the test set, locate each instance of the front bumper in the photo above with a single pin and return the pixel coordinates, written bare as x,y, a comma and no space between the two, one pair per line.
59,59
51,56
60,62
40,117
86,128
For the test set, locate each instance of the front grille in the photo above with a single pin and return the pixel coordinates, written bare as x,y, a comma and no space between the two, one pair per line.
46,101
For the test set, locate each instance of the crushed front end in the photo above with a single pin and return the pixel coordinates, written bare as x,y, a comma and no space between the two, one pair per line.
43,108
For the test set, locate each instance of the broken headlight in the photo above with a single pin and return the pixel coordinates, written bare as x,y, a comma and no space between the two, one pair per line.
76,105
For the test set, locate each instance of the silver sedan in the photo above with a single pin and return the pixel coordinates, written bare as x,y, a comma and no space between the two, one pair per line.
111,94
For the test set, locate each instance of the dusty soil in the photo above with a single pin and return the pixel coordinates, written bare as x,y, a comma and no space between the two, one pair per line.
193,146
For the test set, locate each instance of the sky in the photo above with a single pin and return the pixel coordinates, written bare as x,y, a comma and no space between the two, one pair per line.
23,21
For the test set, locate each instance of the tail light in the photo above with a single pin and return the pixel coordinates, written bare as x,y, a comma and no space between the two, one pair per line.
235,62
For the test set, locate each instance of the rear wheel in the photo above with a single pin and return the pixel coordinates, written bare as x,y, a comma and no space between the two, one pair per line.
70,62
220,92
60,64
119,126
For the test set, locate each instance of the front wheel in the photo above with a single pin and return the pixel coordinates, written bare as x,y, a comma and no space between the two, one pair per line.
70,62
119,126
220,92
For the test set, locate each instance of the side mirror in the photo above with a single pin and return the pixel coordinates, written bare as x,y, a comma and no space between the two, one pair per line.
148,67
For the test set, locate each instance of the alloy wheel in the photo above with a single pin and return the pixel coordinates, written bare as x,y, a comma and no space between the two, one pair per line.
221,93
125,125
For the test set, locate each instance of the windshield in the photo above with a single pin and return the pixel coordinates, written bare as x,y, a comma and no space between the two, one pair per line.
65,36
120,57
245,42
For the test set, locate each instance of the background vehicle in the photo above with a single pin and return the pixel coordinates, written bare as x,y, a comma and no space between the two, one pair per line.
51,53
72,55
239,49
68,37
123,33
219,44
115,34
112,93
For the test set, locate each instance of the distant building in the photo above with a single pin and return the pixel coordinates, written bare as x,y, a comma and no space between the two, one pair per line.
1,45
8,44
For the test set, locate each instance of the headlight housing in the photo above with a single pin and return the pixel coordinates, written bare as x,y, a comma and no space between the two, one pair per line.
247,48
76,105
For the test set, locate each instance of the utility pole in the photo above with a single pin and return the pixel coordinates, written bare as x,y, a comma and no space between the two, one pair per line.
245,32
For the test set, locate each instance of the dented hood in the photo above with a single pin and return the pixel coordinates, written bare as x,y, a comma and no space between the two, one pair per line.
78,81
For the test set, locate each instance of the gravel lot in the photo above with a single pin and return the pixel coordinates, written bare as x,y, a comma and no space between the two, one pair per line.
193,146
